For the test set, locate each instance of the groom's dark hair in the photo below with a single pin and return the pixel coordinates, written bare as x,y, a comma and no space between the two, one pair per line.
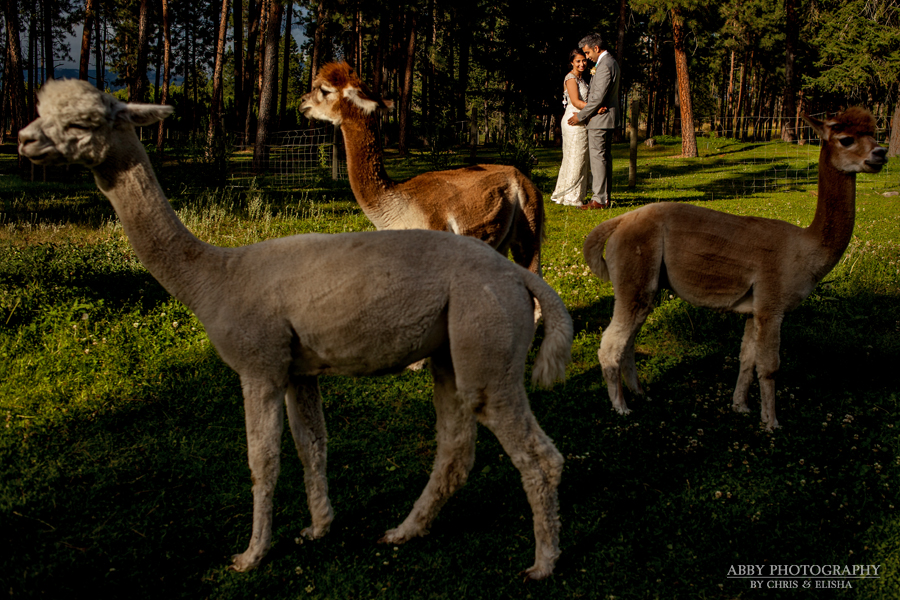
591,40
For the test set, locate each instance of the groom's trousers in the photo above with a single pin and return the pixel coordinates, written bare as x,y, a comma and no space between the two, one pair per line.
600,151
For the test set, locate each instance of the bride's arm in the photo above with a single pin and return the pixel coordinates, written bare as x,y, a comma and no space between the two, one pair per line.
572,89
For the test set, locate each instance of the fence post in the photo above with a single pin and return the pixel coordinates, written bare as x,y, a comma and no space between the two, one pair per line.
334,154
632,158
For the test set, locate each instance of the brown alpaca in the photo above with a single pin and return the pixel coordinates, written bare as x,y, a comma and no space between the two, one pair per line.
494,203
759,267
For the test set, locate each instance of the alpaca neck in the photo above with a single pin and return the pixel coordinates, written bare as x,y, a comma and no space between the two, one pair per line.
365,169
163,244
832,225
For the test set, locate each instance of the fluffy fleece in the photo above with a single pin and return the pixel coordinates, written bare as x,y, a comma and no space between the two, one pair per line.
283,311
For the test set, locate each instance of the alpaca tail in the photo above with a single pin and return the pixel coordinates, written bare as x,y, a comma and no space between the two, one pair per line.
594,244
556,349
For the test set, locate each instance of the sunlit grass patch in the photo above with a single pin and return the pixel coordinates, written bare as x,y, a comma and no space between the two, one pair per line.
123,452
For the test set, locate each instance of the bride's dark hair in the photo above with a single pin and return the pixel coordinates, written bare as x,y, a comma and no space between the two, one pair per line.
575,52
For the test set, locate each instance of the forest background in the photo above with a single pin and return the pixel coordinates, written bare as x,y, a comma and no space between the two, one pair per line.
466,71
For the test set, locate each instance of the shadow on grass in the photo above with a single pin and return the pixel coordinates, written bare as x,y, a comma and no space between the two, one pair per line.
148,497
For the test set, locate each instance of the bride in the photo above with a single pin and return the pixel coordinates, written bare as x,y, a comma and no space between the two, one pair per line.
572,184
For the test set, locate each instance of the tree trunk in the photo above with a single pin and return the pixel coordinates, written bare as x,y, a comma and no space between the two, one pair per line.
157,68
139,91
789,100
32,66
99,62
740,112
462,84
261,57
620,39
317,58
688,141
48,39
267,99
89,9
215,113
633,146
798,116
356,54
427,74
13,81
620,53
894,144
378,60
245,115
167,71
729,100
405,113
286,68
237,14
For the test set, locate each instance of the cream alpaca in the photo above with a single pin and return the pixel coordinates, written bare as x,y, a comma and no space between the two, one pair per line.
283,311
494,203
759,267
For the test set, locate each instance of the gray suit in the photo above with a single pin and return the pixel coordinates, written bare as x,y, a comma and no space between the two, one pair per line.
604,92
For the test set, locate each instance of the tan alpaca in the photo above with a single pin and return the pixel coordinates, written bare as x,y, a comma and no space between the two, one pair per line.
759,267
494,203
283,311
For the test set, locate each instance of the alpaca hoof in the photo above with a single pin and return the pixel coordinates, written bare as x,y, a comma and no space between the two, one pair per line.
400,536
622,410
770,427
243,563
740,408
313,533
536,573
418,365
393,536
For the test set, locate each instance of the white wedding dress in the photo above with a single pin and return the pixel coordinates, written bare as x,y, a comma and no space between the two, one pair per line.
575,170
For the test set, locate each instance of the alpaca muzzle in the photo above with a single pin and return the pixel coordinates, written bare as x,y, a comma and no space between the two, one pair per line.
34,145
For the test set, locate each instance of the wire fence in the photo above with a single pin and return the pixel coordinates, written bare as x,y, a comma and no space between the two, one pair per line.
299,158
765,164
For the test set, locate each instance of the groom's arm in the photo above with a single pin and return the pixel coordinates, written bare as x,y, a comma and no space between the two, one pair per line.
600,83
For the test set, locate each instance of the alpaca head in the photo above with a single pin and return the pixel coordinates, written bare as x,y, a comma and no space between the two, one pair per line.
849,140
338,93
77,123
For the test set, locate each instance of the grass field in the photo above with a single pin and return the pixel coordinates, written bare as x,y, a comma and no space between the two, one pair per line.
123,468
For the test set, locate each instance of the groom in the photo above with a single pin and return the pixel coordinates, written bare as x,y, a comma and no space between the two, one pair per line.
602,115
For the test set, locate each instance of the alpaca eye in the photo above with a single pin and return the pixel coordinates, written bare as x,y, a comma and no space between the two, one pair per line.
77,126
846,142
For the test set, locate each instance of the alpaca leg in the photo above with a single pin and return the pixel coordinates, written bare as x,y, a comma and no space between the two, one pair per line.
526,248
540,464
617,351
265,420
768,344
748,364
629,368
526,252
456,431
304,409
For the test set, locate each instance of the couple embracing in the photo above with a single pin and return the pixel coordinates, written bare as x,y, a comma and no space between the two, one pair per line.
592,115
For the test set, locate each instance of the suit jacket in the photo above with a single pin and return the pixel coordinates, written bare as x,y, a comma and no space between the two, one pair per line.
604,92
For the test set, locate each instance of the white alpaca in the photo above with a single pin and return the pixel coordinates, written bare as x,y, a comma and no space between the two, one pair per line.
283,311
759,267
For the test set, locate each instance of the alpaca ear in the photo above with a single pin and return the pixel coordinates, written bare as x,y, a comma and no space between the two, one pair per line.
817,125
367,100
141,115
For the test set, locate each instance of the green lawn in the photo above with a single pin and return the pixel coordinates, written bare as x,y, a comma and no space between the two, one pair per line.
123,467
